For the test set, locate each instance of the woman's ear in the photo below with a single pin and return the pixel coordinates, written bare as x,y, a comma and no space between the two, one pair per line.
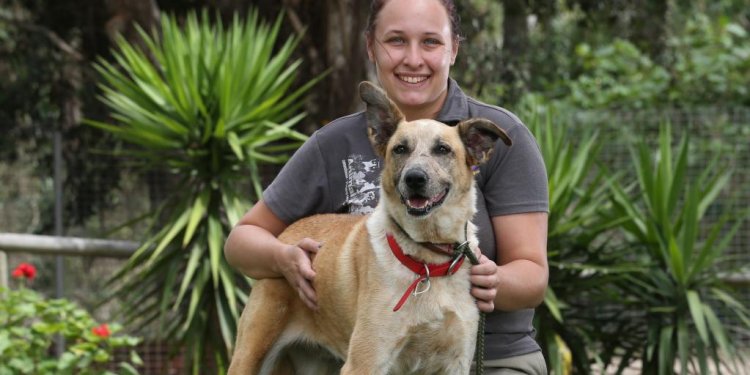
454,52
370,54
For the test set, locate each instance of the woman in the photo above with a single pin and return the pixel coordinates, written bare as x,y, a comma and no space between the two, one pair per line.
413,44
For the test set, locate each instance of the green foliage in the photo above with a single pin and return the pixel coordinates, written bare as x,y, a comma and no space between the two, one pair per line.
635,272
682,258
43,87
28,325
583,261
478,67
210,103
617,75
711,62
706,62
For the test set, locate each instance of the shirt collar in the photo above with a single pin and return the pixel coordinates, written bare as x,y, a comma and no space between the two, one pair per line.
455,108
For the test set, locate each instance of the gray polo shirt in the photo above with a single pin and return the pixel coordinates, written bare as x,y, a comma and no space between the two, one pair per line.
337,171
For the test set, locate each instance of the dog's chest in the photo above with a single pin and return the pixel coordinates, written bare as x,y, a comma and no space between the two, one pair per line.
434,346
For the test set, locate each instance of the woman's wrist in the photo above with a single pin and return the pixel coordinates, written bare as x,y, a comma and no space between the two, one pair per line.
280,258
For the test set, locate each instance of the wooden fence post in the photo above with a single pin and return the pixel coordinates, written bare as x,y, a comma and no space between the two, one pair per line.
3,269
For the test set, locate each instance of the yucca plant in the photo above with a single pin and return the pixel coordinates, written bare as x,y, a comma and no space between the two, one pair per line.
582,262
682,256
209,103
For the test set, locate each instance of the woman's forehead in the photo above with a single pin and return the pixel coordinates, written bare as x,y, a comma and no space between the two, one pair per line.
414,16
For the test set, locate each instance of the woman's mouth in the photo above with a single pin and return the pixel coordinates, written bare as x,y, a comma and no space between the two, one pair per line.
412,79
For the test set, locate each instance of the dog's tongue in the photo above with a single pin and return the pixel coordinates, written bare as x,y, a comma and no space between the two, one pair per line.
421,202
418,202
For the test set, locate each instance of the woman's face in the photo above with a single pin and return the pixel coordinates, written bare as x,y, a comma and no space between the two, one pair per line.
413,49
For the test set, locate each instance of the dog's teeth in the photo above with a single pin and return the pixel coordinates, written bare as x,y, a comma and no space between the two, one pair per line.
437,198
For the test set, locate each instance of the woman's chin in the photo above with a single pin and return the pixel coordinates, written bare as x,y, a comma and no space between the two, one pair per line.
414,100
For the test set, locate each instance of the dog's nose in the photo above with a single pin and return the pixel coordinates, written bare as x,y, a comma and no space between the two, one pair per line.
415,178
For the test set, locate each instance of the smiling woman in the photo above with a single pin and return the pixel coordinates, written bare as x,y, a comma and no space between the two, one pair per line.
413,55
412,44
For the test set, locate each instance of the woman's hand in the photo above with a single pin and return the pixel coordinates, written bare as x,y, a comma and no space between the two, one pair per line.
484,281
295,263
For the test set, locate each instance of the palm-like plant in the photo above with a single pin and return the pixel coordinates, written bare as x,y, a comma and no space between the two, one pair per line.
682,256
582,264
209,103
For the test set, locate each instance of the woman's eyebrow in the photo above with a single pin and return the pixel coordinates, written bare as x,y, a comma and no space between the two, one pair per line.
399,31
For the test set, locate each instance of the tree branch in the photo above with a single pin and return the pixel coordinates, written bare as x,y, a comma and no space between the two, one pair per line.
55,39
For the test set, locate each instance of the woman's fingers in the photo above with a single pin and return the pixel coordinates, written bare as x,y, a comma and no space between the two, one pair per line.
484,282
299,272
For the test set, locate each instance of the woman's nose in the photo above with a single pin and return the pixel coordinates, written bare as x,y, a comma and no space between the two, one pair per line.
413,55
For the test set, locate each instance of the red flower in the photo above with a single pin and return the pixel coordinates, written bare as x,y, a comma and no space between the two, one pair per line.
25,270
102,330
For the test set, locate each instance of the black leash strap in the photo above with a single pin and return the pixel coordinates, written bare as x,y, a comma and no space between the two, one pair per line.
465,249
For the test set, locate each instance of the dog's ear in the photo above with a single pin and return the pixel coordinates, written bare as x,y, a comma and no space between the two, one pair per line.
382,115
479,136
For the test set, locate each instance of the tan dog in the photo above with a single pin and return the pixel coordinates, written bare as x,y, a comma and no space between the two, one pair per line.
427,198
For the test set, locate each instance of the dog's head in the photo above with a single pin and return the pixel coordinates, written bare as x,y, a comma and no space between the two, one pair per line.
428,164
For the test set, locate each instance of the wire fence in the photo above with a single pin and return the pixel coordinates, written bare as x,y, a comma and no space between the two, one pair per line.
26,201
722,133
714,133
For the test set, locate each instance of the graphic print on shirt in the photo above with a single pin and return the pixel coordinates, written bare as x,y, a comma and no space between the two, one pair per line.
362,183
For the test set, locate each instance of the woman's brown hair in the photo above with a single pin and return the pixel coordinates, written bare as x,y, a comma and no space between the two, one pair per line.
377,5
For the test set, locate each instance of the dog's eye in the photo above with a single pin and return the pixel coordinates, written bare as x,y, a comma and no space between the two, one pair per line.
400,149
442,150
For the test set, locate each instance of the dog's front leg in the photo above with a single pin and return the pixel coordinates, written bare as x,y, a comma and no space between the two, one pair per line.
372,349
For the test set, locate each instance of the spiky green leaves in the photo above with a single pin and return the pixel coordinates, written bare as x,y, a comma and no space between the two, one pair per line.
209,103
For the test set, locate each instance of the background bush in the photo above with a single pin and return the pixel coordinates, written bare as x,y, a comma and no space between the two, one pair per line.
30,323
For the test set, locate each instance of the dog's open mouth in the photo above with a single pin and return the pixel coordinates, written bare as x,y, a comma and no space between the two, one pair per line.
418,205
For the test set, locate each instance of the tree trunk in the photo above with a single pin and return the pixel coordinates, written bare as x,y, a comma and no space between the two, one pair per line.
649,26
333,41
126,14
515,45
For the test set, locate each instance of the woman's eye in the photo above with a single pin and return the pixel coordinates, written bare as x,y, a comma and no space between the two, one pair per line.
395,40
400,149
432,42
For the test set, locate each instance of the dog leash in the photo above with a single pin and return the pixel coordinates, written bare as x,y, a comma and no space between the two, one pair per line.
465,250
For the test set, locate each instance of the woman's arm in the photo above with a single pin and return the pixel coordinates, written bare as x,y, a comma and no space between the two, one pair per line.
519,279
254,249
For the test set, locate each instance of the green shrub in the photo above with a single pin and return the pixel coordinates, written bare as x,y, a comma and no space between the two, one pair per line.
617,75
678,287
211,104
706,62
583,263
635,270
711,63
29,323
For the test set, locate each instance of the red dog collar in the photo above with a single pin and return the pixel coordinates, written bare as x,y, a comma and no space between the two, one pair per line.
423,270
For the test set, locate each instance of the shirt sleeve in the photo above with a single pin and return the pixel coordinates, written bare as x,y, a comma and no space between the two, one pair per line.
301,187
514,180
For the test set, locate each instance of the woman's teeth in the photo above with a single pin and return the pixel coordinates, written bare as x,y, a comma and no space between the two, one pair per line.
411,79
